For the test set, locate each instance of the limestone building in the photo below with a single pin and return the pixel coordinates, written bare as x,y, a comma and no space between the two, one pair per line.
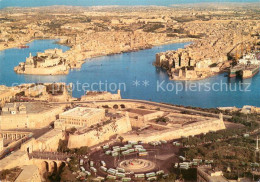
93,95
49,141
100,133
28,115
206,174
79,117
6,94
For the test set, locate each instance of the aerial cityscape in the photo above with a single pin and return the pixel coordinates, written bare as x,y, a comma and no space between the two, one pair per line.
129,91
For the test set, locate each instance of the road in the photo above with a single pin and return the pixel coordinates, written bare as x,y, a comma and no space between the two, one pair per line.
49,155
166,106
36,134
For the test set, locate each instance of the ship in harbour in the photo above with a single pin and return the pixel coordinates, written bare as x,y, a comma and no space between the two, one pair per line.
247,67
23,46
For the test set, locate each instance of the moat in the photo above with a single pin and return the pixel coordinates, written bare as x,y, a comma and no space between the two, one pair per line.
140,78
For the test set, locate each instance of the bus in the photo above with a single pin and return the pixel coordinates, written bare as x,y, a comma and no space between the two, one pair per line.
103,163
116,150
108,152
120,170
82,169
152,174
120,174
111,171
115,147
114,154
182,158
176,143
165,176
81,161
131,150
91,163
106,147
133,142
93,169
197,160
160,172
128,146
126,179
184,166
139,176
141,150
103,168
152,178
125,152
111,177
138,146
88,173
163,141
99,178
123,148
143,154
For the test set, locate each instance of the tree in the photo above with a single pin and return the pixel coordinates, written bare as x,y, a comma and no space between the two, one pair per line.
82,150
121,139
63,146
66,175
73,164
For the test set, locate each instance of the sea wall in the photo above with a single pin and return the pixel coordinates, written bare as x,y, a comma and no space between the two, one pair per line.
56,70
98,135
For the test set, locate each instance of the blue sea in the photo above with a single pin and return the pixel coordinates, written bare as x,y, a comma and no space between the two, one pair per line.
134,74
36,3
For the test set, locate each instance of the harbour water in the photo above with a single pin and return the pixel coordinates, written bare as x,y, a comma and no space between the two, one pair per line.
137,78
36,3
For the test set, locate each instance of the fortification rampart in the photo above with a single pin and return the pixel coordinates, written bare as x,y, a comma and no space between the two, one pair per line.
185,131
57,70
98,135
32,121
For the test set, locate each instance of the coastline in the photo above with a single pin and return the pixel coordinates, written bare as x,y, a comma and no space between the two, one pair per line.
94,55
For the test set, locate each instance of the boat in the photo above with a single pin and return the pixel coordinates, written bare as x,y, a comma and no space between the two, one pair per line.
247,67
23,46
250,71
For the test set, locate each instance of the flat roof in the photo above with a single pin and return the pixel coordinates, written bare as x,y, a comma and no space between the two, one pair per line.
81,112
49,135
31,107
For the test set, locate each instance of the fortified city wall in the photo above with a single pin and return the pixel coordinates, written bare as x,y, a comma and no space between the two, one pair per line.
92,95
32,121
99,135
48,142
188,130
57,70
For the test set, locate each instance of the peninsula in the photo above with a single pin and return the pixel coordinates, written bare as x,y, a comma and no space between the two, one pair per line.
223,36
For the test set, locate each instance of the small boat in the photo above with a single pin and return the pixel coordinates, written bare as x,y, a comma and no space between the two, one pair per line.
23,46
